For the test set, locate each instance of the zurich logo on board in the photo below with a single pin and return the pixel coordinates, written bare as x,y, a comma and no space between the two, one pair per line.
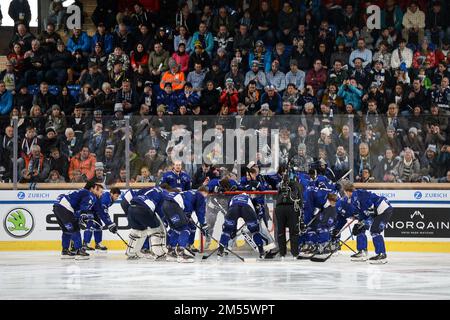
21,195
417,195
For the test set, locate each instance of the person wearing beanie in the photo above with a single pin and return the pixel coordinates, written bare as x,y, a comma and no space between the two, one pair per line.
174,76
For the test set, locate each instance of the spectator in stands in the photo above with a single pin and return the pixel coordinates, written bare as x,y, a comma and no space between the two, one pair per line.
59,163
36,63
34,167
104,37
22,37
265,22
351,93
364,160
204,38
209,101
167,98
10,78
408,168
273,98
72,143
79,40
158,62
261,55
229,96
276,78
402,55
174,76
84,162
6,152
94,78
127,97
123,39
6,99
78,67
413,23
317,78
49,38
20,12
59,62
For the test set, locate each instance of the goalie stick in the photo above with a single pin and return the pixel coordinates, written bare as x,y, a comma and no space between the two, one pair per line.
226,248
216,249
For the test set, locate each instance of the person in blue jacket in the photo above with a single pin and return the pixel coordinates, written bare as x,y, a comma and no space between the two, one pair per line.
177,178
79,40
6,100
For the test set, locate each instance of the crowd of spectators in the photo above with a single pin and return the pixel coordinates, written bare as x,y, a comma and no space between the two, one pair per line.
302,67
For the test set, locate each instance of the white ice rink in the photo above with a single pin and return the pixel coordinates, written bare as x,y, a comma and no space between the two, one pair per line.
43,275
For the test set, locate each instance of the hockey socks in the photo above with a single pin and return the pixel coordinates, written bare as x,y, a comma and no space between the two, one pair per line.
378,243
65,240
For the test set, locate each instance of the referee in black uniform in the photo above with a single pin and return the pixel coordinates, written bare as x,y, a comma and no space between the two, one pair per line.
289,202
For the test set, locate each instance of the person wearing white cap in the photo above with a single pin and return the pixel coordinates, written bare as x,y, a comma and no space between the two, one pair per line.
273,98
256,75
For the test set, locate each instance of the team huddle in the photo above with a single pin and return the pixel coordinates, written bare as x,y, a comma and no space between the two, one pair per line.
315,208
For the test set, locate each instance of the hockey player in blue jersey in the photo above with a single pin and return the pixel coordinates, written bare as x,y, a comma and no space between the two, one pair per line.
241,206
176,178
173,208
194,201
101,215
344,211
144,218
253,181
72,211
217,203
373,213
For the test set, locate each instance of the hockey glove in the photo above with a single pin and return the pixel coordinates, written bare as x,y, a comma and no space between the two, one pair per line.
204,229
358,228
112,228
84,219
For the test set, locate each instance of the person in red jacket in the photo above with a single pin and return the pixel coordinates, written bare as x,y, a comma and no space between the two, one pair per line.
230,96
138,57
317,78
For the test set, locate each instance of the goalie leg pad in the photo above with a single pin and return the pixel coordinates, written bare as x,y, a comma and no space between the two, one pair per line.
135,243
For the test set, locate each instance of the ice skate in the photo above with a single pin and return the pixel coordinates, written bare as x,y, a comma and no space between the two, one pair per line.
182,257
86,247
67,254
81,254
380,258
171,254
307,252
359,256
100,248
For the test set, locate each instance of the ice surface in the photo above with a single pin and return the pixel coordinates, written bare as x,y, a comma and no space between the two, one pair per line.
43,275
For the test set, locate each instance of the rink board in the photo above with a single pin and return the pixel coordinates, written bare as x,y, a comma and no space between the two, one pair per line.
421,222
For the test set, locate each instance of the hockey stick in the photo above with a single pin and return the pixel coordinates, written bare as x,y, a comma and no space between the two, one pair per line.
117,233
342,242
215,250
226,248
247,238
317,259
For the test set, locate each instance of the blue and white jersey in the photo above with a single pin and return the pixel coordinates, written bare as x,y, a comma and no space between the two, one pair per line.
241,200
78,202
181,181
324,182
214,185
316,199
367,203
102,208
193,200
253,185
344,208
174,197
151,198
273,180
